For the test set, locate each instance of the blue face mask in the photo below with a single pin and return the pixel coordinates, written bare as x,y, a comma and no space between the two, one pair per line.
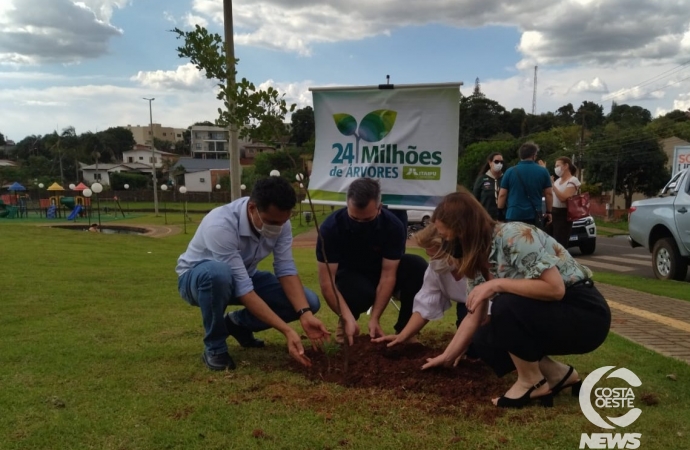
363,227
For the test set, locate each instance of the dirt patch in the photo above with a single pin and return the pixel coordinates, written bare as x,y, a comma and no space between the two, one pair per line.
398,370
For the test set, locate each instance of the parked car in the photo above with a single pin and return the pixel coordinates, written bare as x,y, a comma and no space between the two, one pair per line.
584,235
419,216
662,226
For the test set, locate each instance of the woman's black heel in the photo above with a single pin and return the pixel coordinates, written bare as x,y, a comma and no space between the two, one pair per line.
544,400
575,387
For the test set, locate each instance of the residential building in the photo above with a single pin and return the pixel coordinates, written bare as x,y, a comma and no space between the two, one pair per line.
142,134
211,142
101,172
200,175
143,155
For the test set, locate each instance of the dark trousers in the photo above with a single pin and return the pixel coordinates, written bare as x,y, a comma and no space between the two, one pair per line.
560,227
531,329
359,290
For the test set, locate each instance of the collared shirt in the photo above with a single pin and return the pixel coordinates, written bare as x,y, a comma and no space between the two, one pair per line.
364,251
225,235
521,251
437,293
525,184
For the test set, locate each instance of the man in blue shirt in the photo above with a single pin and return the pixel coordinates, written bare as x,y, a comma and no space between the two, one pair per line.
219,269
523,187
363,255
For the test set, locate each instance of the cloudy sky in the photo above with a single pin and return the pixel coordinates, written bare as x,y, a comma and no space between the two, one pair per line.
88,63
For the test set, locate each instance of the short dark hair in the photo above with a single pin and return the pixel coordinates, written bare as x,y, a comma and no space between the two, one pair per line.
528,150
275,191
364,190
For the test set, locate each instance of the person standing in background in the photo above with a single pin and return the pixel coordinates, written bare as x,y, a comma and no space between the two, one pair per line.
488,184
564,187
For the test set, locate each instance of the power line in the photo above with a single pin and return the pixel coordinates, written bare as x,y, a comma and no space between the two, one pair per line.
649,81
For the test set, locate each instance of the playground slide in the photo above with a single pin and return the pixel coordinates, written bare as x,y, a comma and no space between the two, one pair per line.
75,212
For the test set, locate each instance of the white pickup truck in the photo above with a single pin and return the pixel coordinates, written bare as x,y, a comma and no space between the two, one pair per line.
662,226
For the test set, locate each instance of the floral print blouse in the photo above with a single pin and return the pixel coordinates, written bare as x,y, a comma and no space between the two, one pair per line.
522,251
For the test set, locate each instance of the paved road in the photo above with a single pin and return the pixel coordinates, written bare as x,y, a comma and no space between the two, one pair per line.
614,254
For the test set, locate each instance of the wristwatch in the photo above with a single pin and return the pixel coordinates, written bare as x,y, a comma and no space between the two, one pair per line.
301,312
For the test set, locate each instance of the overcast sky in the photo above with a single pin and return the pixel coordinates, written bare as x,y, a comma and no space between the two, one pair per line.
88,63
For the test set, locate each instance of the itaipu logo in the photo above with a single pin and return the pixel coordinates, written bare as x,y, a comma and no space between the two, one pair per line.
606,398
374,127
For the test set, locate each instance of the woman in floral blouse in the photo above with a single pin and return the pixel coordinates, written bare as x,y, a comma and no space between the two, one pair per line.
543,301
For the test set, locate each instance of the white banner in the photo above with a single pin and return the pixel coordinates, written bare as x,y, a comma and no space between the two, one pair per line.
405,137
681,159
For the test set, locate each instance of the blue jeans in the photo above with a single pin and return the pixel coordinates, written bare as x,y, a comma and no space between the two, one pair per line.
209,285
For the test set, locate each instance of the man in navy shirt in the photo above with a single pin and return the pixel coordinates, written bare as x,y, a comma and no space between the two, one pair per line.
364,246
523,187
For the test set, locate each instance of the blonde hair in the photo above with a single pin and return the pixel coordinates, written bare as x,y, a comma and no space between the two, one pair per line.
428,237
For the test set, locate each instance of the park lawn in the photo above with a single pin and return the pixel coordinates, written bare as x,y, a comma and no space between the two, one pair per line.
97,350
666,288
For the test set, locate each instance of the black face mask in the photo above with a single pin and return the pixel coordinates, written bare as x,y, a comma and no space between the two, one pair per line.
362,227
454,248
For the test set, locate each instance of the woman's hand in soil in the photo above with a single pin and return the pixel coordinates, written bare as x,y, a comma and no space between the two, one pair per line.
441,360
391,339
315,330
296,349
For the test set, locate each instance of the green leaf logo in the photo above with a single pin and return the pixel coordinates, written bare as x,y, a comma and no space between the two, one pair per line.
346,124
377,124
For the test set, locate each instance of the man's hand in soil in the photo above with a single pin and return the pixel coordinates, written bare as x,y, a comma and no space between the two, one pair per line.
295,348
315,330
351,330
375,329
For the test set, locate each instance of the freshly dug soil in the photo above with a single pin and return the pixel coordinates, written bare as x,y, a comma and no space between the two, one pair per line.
398,369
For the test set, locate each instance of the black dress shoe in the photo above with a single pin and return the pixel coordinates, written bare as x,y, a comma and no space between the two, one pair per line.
244,336
221,361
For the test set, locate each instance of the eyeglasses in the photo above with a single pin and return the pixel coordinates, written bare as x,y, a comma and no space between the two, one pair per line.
496,161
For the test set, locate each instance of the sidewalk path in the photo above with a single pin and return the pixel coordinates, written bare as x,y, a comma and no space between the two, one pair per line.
659,323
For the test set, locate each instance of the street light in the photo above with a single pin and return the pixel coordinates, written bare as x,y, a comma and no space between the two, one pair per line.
153,158
183,191
127,189
97,188
87,193
274,173
72,186
40,209
164,187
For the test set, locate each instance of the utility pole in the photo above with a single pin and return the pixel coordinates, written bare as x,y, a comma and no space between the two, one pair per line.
153,158
534,93
613,192
233,146
582,143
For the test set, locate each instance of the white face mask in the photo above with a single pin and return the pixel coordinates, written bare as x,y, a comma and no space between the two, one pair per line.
439,266
498,167
267,231
558,170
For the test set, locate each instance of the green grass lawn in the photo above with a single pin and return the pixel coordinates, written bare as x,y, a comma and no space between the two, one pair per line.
98,351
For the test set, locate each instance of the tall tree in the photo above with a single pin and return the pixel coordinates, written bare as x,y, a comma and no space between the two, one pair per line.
480,118
565,115
629,116
2,139
117,140
245,105
590,115
303,127
632,159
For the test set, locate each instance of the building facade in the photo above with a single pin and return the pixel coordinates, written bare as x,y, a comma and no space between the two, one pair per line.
142,134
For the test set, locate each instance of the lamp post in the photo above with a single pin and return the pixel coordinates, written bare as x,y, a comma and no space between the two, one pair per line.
87,193
97,188
40,195
274,173
127,189
164,187
153,158
72,186
183,191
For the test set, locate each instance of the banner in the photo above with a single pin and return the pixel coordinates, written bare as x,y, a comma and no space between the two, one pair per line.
681,159
404,136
